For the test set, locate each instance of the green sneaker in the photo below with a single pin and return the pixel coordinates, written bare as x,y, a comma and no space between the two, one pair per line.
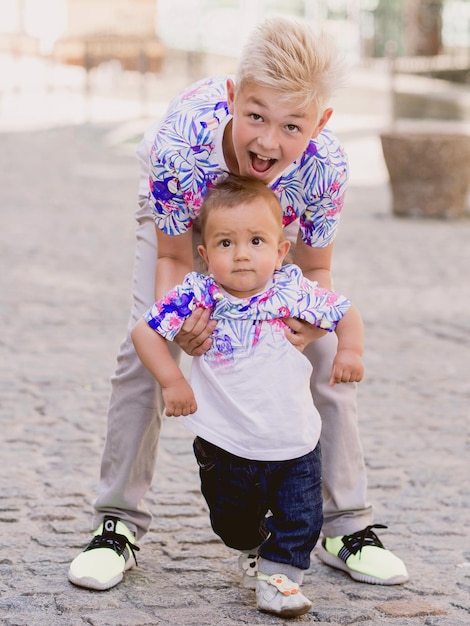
363,556
108,555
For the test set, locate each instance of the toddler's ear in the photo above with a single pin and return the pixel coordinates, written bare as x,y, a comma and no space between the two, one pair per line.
282,251
203,254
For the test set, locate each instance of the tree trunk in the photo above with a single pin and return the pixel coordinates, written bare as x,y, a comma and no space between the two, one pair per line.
423,27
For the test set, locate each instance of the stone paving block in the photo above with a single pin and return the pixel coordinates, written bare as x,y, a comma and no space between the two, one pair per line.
445,621
409,608
121,617
43,618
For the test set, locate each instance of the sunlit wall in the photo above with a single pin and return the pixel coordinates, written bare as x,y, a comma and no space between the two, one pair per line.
44,19
361,27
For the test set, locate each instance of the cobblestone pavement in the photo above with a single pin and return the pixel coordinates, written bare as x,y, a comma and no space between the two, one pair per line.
66,236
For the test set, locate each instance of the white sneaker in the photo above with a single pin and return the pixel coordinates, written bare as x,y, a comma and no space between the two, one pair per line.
279,595
108,555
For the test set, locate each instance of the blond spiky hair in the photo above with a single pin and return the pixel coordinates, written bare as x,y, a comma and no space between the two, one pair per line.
289,56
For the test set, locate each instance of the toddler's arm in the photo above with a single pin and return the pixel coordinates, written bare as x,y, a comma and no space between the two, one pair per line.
347,364
152,350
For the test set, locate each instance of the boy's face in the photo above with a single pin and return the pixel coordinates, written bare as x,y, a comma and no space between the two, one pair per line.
267,133
243,246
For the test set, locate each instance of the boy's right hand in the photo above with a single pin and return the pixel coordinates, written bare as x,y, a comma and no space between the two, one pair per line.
179,399
195,334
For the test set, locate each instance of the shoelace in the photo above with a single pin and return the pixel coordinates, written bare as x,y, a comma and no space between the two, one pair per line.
113,541
356,541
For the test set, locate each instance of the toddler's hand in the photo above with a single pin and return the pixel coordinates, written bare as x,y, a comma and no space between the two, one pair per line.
347,368
179,399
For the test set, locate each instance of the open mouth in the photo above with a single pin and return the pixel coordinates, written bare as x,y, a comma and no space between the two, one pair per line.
261,164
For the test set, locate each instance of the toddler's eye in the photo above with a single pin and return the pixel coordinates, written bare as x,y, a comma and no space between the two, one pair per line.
292,127
256,241
256,117
225,243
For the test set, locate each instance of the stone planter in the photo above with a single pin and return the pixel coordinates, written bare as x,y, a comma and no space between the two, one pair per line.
429,173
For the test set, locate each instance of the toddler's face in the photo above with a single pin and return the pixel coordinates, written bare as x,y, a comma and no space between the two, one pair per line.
267,134
243,247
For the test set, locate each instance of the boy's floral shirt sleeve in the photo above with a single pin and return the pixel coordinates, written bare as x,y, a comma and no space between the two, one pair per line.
168,314
313,190
321,307
183,160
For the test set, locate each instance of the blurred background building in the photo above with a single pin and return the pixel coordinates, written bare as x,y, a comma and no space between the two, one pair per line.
418,27
130,45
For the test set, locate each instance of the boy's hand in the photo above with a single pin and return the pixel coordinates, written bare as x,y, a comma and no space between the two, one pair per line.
347,368
194,336
300,333
179,399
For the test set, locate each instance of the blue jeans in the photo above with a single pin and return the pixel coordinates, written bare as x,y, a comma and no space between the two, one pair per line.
240,493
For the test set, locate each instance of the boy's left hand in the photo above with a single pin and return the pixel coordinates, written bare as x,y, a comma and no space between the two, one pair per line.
347,368
300,333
